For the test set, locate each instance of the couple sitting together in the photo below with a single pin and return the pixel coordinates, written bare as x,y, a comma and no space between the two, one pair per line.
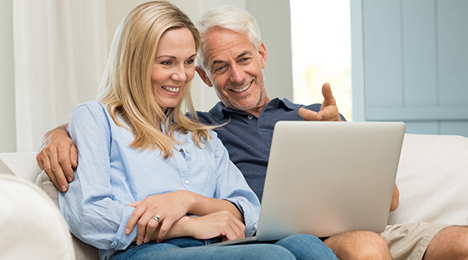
141,180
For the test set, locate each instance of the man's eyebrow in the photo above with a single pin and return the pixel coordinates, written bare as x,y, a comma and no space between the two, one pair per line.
244,53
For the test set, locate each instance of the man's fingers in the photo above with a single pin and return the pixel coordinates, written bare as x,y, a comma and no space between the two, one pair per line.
327,94
66,167
68,162
39,160
309,115
74,156
54,170
46,167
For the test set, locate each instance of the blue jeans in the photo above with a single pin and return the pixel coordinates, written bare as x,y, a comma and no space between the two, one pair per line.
292,247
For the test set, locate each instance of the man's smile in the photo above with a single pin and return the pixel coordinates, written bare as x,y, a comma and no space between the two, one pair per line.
239,90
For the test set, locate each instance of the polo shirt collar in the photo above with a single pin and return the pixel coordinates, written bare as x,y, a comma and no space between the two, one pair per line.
220,111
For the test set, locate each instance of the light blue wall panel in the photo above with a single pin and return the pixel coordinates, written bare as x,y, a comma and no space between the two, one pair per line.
425,127
419,53
418,113
414,63
382,57
454,128
453,51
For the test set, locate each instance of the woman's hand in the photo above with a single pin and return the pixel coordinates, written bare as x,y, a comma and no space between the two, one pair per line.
170,207
219,224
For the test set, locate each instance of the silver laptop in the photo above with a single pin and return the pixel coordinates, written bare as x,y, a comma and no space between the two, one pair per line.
324,178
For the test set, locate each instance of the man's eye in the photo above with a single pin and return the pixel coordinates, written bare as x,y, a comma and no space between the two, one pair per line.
245,60
219,69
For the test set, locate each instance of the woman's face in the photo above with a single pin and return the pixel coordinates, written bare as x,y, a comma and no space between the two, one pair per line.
173,66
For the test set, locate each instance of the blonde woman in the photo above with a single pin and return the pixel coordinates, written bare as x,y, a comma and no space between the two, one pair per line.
152,183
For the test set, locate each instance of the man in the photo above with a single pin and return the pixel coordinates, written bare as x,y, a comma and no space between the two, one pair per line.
232,59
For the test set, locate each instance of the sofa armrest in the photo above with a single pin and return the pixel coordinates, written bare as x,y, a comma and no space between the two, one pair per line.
83,251
31,225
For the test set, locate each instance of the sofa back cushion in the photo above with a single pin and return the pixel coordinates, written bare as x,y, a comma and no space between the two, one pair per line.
432,179
23,165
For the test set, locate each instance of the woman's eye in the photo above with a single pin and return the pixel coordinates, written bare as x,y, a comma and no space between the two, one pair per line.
166,63
191,61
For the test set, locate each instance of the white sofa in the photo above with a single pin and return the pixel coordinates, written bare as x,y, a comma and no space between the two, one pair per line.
432,178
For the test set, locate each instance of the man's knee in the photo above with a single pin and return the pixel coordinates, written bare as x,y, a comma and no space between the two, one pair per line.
451,241
359,245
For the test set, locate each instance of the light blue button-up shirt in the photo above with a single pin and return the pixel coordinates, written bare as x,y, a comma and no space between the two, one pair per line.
111,174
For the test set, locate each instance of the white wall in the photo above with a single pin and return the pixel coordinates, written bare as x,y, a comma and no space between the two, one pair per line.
7,92
272,17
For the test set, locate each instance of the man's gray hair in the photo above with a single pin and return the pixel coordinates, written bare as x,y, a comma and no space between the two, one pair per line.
231,18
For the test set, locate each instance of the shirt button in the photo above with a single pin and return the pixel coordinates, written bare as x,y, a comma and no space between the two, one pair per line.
187,182
187,151
250,117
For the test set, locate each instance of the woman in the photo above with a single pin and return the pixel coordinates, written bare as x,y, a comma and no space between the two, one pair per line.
152,183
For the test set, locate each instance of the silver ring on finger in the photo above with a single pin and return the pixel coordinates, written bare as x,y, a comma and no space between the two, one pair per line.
157,218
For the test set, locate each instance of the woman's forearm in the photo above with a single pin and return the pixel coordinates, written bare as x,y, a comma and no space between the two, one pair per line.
202,205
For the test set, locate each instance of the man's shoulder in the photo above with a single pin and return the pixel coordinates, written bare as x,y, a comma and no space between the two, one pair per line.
295,106
314,107
206,117
214,116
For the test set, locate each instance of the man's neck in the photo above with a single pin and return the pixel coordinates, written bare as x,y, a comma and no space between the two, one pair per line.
258,109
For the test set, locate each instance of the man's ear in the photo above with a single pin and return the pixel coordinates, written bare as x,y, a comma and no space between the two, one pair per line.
201,72
263,54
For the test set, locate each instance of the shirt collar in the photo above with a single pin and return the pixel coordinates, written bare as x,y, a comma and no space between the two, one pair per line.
220,111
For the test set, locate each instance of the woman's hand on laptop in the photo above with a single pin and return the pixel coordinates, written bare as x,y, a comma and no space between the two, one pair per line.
395,199
328,111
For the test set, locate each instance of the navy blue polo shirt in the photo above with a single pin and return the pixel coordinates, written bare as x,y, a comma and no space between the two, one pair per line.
248,138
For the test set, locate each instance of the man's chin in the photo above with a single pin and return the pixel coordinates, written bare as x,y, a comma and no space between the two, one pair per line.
244,106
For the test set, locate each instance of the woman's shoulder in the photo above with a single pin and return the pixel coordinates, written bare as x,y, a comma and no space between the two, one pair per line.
90,109
92,106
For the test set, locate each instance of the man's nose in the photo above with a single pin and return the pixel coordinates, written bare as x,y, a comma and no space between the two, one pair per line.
237,74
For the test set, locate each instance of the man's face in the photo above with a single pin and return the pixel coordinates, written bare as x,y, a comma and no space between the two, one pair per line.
235,68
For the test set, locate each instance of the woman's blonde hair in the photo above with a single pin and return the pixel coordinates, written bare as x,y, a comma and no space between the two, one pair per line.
126,84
